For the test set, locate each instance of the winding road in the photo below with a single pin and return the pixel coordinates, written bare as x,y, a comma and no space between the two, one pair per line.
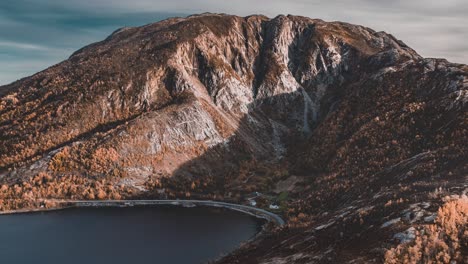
257,212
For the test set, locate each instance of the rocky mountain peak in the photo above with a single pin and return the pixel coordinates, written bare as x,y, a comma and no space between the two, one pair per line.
228,61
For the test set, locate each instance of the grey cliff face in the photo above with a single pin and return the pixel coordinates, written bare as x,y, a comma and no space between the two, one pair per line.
283,75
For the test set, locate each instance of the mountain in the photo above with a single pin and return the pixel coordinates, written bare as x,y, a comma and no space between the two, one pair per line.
356,137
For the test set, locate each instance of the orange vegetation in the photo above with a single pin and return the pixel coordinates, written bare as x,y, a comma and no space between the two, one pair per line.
445,241
31,193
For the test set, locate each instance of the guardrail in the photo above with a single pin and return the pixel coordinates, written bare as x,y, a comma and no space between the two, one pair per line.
257,212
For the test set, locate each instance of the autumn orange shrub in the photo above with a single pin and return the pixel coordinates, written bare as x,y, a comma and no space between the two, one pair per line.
61,160
103,159
44,188
441,242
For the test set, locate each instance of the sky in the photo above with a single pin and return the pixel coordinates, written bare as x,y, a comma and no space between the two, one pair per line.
36,34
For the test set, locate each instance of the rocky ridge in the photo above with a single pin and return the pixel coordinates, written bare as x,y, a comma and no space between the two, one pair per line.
359,127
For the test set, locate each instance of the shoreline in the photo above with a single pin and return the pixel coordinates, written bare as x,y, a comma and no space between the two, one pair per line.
65,204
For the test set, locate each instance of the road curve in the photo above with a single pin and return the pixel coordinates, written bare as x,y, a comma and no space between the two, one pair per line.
257,212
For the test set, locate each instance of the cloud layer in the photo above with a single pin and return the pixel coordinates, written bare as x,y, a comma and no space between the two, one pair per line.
37,34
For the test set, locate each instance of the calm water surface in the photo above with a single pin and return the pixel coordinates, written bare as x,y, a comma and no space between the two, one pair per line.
123,235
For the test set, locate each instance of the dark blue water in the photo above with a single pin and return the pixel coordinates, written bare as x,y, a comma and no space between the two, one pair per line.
123,235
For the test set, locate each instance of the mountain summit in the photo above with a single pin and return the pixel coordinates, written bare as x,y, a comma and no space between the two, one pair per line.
356,137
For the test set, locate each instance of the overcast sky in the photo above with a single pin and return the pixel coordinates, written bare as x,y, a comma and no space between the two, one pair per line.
35,34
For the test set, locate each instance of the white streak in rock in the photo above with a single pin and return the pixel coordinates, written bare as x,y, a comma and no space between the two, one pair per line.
308,104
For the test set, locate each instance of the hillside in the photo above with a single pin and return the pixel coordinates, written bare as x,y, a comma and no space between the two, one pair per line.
356,137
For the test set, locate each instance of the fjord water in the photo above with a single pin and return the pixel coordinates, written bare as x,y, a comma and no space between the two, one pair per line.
162,234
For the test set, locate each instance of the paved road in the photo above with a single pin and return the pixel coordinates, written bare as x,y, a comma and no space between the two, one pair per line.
243,208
